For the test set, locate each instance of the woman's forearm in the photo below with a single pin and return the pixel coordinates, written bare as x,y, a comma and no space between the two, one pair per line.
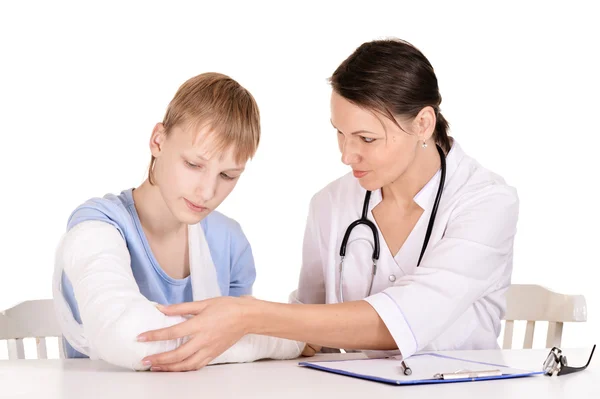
351,325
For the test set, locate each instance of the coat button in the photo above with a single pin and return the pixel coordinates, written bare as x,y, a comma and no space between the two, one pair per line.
392,278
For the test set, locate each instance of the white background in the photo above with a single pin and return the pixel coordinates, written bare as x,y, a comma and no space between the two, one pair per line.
82,85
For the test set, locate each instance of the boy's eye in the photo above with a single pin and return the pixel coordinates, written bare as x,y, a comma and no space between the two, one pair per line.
191,165
226,176
367,139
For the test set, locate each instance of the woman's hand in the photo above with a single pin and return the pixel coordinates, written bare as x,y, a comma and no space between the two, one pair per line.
310,350
216,325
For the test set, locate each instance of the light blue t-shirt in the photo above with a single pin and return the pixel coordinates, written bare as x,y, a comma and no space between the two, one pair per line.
229,248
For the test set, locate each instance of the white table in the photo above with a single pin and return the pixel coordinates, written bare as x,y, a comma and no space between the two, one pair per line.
82,378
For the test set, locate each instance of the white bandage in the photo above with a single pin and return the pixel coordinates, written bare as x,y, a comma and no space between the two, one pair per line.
113,312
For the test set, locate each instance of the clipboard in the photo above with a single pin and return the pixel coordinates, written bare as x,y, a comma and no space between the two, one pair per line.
424,367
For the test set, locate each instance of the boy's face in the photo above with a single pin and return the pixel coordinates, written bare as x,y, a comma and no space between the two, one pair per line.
192,175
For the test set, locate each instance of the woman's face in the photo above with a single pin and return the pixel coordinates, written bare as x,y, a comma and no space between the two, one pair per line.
376,149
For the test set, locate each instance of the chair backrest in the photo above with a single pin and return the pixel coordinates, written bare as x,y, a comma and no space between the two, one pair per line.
30,319
536,303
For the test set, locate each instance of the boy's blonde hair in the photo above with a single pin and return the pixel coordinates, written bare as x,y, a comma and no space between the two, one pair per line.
219,102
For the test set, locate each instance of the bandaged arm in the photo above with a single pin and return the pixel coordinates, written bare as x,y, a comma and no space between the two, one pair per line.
113,312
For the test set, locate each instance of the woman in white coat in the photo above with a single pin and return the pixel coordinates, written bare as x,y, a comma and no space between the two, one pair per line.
444,223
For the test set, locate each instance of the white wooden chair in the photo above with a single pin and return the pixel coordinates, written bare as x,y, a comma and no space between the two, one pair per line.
30,319
536,303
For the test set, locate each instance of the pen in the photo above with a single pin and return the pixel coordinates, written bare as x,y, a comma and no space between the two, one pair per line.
407,370
467,374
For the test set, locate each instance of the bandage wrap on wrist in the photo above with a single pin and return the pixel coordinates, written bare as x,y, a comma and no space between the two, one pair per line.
95,258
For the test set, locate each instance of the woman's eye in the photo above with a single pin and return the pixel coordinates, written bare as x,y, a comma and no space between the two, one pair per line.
367,139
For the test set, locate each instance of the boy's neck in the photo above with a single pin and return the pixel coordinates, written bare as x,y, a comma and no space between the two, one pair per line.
156,218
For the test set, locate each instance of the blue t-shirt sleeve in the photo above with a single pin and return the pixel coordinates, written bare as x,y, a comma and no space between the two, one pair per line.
97,209
243,271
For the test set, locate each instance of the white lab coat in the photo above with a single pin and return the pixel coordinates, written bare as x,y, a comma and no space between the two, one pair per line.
456,298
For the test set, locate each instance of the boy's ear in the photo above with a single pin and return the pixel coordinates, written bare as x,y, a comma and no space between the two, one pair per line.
157,139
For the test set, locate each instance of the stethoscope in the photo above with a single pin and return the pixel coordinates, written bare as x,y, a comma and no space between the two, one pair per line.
363,220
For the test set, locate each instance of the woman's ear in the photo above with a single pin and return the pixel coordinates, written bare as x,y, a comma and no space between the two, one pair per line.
157,139
424,123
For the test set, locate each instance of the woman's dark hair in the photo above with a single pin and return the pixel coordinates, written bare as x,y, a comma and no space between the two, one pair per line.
394,78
